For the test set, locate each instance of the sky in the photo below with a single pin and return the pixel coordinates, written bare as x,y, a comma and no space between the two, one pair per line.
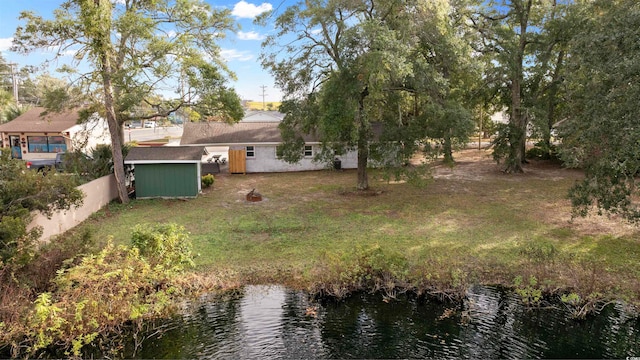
241,50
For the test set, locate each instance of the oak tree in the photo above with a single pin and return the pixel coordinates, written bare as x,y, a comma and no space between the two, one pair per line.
601,133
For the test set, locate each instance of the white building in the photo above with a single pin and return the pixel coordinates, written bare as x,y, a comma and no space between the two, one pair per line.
258,141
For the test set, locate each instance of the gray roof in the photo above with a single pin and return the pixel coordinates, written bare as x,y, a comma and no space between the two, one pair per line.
241,133
165,154
33,121
262,116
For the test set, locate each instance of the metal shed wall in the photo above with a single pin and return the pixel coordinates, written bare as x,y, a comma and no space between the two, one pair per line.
166,180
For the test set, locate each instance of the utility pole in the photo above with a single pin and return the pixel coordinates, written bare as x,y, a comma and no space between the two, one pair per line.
12,70
14,80
264,88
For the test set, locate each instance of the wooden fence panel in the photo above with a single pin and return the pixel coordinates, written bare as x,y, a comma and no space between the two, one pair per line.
237,162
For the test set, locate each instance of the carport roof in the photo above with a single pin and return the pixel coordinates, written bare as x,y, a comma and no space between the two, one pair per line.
165,154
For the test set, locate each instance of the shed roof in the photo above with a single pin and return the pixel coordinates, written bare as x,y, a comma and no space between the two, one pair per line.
240,133
34,121
166,154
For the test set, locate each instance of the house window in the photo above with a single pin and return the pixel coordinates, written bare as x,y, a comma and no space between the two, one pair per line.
57,144
251,151
308,151
46,144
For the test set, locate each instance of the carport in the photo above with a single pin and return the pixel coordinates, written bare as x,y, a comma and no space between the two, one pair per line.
167,171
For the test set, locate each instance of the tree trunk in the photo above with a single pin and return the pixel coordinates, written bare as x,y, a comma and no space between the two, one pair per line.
447,148
97,20
518,122
114,131
517,135
551,115
363,144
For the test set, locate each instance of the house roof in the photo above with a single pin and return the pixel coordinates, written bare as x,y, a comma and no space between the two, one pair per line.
240,133
165,154
223,134
33,121
262,116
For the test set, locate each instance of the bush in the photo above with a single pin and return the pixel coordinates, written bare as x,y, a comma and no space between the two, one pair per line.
97,298
370,268
21,193
542,151
207,180
163,244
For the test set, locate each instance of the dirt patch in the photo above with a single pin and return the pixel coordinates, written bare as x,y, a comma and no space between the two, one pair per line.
478,166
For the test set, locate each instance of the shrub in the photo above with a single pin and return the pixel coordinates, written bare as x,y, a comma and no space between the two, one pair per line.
373,268
163,244
207,180
542,151
99,296
22,192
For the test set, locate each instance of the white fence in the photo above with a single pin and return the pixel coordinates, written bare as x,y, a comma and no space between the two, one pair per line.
97,194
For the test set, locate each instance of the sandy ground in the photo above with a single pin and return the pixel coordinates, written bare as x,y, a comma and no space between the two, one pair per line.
477,165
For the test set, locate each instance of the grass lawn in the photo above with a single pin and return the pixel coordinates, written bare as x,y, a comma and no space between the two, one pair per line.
470,224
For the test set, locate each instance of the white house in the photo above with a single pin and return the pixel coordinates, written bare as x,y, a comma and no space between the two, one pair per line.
33,135
258,141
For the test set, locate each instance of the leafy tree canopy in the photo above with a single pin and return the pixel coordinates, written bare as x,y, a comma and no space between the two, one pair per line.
601,133
358,74
137,50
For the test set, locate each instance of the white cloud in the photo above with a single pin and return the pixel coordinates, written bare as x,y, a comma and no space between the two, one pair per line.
5,44
251,35
69,53
232,54
249,11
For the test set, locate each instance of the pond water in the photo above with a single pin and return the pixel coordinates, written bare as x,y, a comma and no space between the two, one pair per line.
277,323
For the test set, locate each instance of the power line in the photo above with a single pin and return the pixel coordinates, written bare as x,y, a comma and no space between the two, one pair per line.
264,88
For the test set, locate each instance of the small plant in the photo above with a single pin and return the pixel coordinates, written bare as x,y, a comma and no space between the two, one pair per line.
540,251
208,180
579,306
530,293
571,299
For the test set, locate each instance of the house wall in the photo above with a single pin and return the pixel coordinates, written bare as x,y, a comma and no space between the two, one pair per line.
265,160
98,193
88,135
167,180
24,144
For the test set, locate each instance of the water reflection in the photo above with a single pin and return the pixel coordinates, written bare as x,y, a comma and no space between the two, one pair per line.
272,322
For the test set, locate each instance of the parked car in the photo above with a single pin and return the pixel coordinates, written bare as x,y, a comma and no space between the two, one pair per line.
133,124
43,164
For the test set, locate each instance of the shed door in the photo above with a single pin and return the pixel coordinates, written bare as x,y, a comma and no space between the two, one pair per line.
237,162
166,180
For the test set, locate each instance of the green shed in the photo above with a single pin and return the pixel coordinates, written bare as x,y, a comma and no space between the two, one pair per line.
166,171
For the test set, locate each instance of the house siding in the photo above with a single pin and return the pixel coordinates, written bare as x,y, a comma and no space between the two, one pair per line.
167,180
265,160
